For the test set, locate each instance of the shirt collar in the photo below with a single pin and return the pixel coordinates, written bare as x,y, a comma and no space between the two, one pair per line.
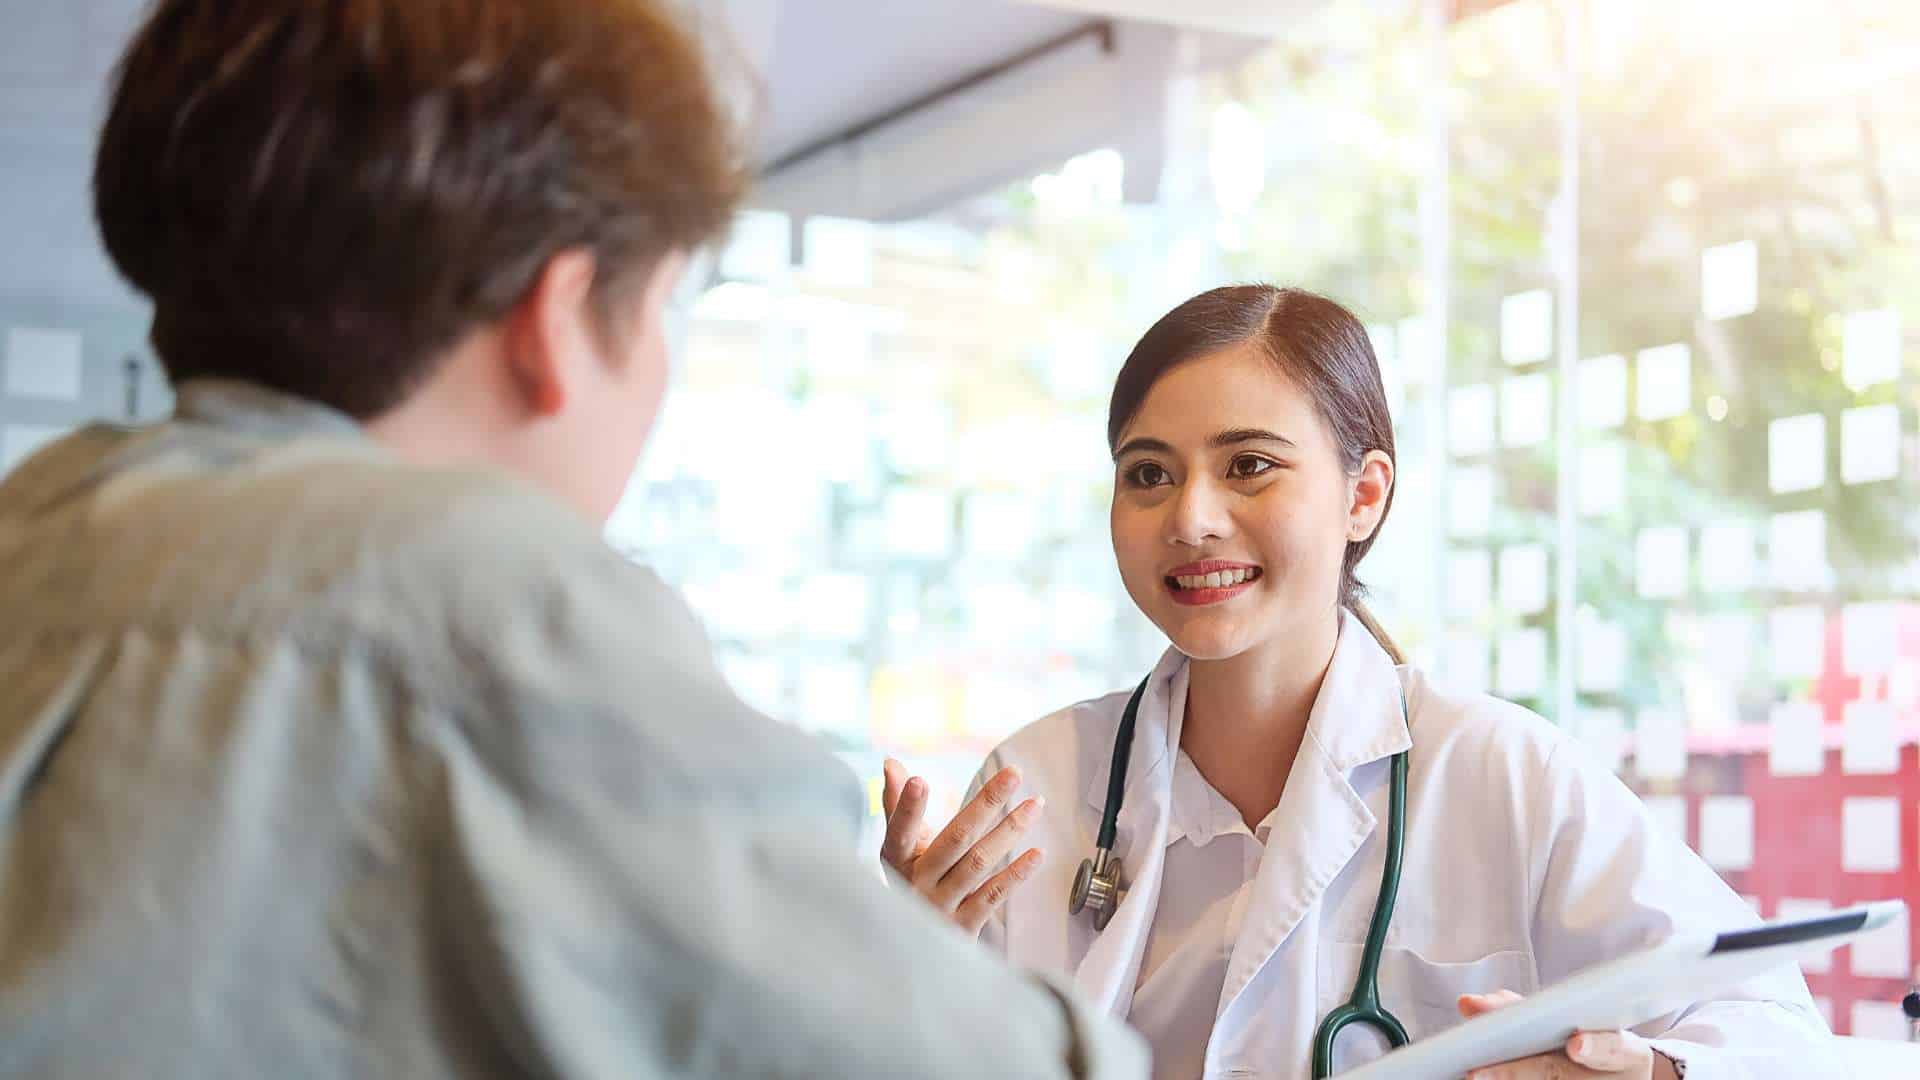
1200,814
1357,718
251,409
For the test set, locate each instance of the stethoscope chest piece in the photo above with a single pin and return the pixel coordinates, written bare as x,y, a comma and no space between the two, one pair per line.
1097,887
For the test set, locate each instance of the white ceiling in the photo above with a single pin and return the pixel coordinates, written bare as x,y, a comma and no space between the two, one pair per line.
825,66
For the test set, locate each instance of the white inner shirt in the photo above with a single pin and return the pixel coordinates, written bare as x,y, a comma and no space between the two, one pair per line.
1212,858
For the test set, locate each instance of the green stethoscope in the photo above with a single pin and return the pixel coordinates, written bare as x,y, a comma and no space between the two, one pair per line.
1098,887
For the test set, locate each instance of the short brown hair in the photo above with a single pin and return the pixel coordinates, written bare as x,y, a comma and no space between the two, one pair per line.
323,195
1315,342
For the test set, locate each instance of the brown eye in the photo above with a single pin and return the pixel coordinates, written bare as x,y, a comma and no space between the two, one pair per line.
1246,467
1146,474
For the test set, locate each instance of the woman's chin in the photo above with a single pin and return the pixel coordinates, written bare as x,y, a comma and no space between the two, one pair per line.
1207,643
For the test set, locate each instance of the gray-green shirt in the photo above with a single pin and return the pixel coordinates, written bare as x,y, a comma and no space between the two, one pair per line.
314,763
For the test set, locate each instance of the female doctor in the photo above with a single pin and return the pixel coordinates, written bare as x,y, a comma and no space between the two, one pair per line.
1254,465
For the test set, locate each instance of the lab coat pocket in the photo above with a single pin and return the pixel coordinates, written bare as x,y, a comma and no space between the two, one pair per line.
1422,993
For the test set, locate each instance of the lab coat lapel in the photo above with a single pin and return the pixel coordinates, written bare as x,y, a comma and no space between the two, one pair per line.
1111,966
1322,820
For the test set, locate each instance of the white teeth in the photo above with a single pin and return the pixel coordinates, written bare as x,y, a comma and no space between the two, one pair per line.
1219,579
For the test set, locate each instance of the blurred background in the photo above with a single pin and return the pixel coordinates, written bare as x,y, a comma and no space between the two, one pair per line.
1642,278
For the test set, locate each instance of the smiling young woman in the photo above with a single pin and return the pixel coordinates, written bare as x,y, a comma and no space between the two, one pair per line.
1277,742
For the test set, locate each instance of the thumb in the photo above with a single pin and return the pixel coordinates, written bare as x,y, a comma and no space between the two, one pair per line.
1610,1051
1472,1005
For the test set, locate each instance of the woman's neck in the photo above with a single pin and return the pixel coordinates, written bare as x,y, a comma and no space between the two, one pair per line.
1247,716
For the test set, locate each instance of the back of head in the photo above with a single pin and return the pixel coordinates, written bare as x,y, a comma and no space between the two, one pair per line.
321,196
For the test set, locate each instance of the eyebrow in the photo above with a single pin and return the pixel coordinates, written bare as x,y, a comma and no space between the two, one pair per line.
1221,440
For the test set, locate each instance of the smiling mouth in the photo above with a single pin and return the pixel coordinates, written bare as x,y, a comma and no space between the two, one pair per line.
1219,579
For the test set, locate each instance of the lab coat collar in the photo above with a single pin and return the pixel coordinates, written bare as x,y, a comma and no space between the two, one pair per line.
1111,966
1156,734
1322,820
1358,716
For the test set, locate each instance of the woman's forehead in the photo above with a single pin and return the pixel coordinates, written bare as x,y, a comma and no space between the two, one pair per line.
1235,388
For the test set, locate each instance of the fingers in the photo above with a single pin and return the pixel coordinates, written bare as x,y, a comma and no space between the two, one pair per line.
986,853
893,778
972,822
1610,1051
905,833
1554,1066
1472,1005
977,908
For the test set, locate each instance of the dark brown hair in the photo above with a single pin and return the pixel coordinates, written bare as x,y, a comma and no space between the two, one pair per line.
1313,341
323,195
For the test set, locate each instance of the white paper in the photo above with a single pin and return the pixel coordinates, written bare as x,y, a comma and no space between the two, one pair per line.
1669,813
918,523
1871,344
1660,561
1526,327
1870,444
1523,579
1885,953
1602,666
1797,637
43,364
1464,667
1727,557
19,441
1867,637
1470,419
1872,1019
1660,744
1797,453
1666,381
1603,392
1604,732
1470,500
1870,835
1791,908
1797,551
1603,478
1469,583
1726,832
1794,740
1526,410
1727,641
1872,746
1523,663
1729,280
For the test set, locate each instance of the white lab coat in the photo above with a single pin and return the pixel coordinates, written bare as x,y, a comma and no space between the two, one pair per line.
1524,862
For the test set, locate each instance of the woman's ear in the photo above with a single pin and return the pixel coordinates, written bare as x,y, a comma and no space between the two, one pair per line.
1368,492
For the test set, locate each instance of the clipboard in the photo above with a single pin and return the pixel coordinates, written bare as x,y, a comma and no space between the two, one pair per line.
1626,992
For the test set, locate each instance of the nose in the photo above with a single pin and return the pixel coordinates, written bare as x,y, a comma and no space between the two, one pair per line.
1198,515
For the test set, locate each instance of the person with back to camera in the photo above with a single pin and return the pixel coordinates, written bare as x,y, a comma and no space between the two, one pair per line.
334,742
